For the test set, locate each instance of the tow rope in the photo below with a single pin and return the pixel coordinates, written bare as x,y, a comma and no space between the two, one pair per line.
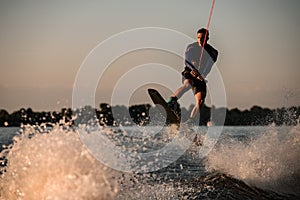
207,27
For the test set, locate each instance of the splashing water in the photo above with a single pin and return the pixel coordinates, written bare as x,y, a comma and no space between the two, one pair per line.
53,165
270,160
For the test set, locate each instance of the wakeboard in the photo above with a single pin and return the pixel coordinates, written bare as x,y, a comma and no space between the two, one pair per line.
172,117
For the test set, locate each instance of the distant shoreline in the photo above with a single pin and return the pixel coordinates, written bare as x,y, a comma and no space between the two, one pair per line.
139,114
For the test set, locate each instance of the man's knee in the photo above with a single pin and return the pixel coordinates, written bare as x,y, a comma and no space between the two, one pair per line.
186,84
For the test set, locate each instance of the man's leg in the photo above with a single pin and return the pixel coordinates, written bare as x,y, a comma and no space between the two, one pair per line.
199,102
184,88
172,102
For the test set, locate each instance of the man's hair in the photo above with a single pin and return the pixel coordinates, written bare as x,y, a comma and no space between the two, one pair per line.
203,31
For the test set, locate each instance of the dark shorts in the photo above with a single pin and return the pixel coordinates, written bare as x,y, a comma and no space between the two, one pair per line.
197,86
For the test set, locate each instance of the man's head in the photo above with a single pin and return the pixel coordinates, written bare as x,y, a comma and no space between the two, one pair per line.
201,36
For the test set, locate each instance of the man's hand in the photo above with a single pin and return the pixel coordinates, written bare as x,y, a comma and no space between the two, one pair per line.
197,75
194,73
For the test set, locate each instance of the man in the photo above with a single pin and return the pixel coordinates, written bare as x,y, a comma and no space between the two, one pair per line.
198,65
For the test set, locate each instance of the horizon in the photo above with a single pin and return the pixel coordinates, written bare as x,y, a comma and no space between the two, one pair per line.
127,107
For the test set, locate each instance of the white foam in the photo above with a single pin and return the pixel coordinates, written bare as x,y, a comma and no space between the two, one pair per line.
271,160
54,165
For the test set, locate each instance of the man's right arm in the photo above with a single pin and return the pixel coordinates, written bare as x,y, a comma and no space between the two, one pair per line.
189,56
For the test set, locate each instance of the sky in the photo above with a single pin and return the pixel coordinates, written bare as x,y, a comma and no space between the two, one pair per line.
43,44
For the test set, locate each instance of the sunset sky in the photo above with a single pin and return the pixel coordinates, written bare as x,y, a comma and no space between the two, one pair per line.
44,43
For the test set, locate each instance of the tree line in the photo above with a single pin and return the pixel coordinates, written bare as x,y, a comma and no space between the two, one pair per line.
141,115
